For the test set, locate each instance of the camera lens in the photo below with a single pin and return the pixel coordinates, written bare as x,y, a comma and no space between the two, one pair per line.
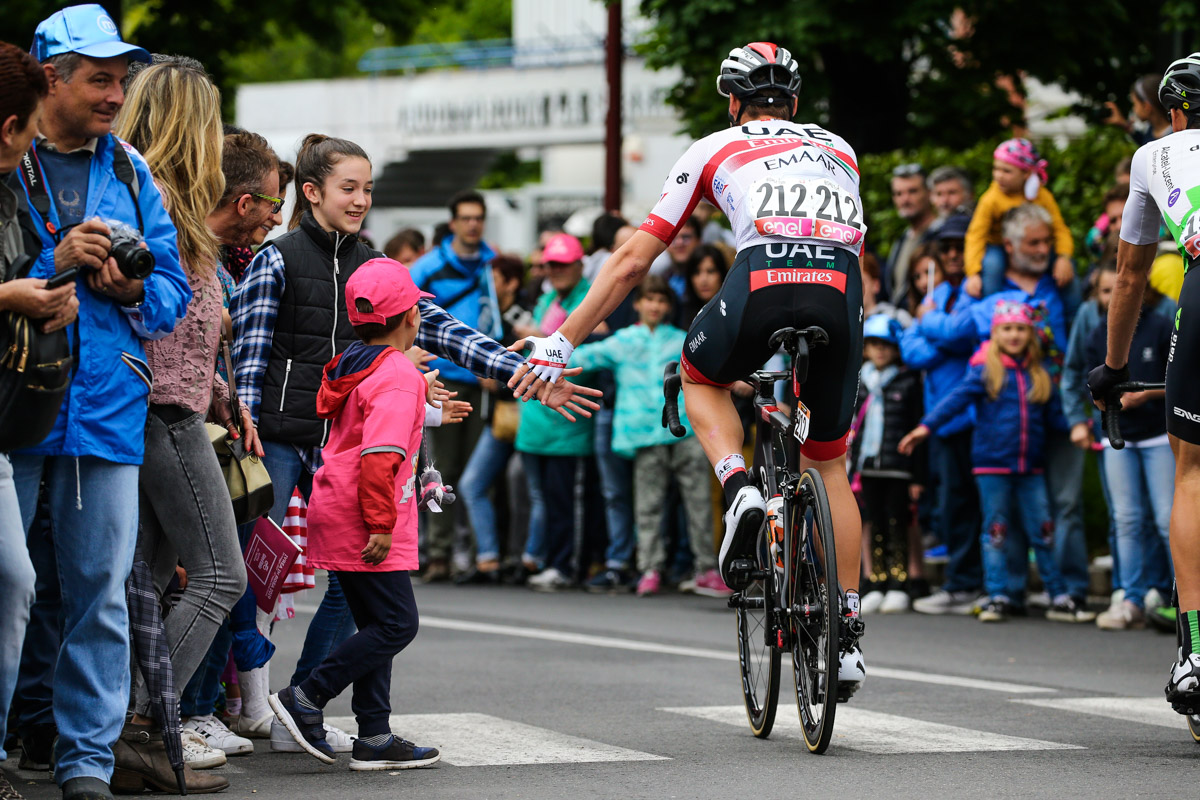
135,263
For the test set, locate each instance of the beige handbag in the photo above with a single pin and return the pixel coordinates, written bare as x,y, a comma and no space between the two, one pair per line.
506,416
246,475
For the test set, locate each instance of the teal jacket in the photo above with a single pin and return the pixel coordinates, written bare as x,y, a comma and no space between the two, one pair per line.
543,431
637,356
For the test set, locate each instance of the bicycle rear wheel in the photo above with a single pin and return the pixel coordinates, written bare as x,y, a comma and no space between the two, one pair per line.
814,602
1194,726
758,657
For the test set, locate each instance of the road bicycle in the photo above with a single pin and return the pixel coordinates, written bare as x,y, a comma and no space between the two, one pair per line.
792,602
1112,429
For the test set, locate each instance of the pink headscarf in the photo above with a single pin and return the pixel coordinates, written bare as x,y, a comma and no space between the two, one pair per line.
1024,156
1008,311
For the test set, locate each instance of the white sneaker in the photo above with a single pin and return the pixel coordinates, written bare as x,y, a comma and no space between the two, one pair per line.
243,725
943,602
870,602
852,672
197,753
894,602
548,580
1038,600
1153,600
217,735
282,741
742,522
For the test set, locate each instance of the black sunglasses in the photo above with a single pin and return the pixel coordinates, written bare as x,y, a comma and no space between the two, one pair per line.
908,170
276,202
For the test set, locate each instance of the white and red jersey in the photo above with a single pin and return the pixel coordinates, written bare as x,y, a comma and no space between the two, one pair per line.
776,181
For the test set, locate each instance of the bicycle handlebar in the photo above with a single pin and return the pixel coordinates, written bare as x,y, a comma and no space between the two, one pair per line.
1112,409
672,382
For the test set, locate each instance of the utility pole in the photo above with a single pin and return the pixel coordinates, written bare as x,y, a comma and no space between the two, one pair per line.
614,56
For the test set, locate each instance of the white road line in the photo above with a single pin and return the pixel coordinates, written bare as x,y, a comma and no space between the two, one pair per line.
611,642
873,732
1145,710
481,740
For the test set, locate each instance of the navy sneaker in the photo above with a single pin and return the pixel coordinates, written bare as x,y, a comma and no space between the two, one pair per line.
396,754
306,727
611,581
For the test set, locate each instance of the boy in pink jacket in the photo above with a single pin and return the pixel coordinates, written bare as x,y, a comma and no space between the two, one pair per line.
362,518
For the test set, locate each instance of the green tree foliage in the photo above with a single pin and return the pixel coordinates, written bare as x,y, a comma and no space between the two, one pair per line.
889,74
1080,173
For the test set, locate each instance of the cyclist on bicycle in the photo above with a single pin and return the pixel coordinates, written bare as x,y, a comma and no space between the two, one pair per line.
1165,185
790,191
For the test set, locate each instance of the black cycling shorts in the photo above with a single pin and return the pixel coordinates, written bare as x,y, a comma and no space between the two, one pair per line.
1183,364
775,286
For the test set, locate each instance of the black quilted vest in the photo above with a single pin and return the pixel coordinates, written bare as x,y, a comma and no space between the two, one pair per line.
311,329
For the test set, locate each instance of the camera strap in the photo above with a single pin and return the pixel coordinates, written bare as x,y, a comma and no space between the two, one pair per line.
39,194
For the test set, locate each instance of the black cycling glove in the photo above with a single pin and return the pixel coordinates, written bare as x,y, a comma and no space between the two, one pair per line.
1103,378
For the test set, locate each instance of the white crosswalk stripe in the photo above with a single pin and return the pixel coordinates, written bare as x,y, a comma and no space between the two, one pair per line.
874,732
1146,710
478,740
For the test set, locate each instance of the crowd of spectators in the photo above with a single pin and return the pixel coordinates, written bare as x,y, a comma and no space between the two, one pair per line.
968,444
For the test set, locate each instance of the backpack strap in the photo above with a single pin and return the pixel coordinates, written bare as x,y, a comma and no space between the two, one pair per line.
126,174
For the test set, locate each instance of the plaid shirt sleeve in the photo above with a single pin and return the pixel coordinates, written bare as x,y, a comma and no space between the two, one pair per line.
443,335
254,308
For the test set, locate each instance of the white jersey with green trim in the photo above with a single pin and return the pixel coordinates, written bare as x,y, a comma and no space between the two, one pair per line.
1164,184
776,181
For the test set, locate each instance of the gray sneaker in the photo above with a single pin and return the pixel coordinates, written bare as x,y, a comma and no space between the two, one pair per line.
1127,616
943,602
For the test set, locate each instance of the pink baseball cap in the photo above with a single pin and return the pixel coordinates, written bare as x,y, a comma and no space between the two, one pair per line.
562,249
387,285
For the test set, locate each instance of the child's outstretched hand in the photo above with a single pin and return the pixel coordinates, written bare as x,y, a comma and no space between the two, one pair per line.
455,411
436,393
420,358
974,286
377,548
912,439
1064,271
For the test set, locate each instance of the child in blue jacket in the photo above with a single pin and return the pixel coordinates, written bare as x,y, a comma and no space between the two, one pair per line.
1015,405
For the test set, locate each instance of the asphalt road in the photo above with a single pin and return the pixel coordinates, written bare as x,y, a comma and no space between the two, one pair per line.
581,696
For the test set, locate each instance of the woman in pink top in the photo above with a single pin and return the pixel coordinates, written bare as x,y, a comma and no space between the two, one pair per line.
173,117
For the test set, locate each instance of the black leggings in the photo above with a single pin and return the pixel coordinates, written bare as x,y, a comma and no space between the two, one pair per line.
889,511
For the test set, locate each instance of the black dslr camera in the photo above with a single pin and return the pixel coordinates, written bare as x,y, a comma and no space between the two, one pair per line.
134,261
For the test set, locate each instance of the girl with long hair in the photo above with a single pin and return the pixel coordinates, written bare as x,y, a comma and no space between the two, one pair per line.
1015,407
172,116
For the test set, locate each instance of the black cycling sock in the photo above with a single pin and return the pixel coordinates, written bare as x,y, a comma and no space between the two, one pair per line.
734,483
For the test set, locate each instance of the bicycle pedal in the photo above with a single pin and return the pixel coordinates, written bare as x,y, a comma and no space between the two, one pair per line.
743,565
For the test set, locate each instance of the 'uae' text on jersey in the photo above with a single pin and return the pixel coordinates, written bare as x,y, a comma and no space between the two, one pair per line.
776,181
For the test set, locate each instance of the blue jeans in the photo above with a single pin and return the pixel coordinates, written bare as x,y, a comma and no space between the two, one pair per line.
486,465
94,513
535,543
958,510
995,262
332,624
1137,475
1064,482
1011,502
17,580
616,482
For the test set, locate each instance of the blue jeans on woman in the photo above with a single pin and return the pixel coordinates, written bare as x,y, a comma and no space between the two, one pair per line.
1011,502
16,591
486,464
1138,476
333,623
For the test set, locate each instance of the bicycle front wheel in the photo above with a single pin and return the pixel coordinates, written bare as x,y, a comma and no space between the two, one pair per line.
814,604
758,657
1194,726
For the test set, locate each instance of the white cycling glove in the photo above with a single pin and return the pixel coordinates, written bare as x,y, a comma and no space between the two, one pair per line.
549,356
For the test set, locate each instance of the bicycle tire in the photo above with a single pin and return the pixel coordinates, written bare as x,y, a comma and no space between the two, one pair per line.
814,601
1193,721
758,659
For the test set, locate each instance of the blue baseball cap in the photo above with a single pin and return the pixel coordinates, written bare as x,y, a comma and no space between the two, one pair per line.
882,327
87,30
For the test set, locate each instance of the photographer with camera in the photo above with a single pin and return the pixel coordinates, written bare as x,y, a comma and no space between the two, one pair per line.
76,171
22,89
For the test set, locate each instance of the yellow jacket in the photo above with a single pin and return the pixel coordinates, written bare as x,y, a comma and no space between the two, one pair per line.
985,225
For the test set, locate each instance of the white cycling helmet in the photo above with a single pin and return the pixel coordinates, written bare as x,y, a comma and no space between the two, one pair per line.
757,66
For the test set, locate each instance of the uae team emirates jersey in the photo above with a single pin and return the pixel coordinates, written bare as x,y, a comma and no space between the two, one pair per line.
776,182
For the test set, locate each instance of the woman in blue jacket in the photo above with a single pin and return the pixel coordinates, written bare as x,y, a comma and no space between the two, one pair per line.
1015,405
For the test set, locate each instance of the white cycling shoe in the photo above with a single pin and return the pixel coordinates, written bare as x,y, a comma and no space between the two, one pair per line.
742,523
1183,687
852,672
